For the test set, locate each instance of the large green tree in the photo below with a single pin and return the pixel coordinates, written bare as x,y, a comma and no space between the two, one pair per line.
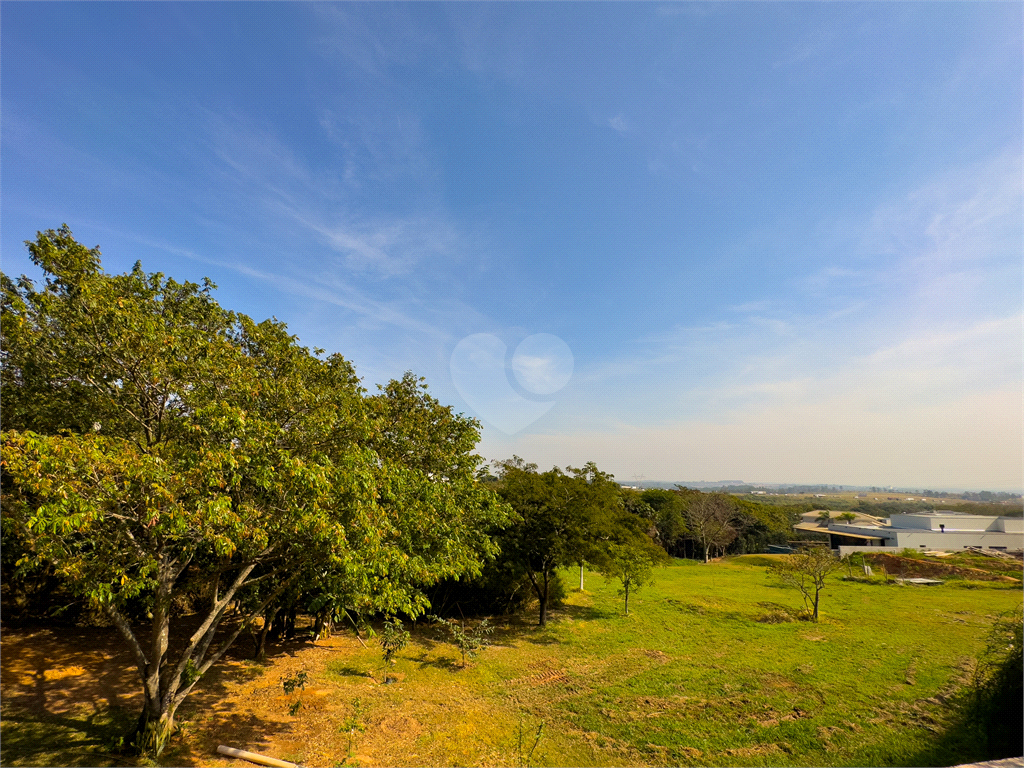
159,447
667,510
563,518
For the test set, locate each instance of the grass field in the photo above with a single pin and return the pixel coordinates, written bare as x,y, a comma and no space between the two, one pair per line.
706,670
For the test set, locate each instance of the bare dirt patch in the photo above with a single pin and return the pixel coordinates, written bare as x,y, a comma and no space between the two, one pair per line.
908,566
656,655
54,671
74,676
760,749
549,677
78,673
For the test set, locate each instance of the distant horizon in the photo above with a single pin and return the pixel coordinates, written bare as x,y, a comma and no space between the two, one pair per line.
844,486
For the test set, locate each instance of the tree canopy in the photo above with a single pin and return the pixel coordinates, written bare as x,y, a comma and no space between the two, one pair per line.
561,516
692,523
158,445
568,517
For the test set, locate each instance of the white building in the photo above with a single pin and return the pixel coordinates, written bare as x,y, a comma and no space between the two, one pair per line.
926,530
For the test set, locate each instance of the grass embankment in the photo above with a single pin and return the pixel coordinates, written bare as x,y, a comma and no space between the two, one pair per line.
708,669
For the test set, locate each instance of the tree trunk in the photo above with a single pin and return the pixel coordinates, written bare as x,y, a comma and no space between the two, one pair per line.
544,602
816,593
542,595
154,728
165,683
626,587
323,626
268,621
581,577
289,629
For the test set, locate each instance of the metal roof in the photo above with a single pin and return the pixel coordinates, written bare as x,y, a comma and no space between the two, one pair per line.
857,535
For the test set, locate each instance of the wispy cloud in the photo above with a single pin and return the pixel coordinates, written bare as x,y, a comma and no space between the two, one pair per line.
371,42
390,247
953,235
335,292
933,332
325,288
828,276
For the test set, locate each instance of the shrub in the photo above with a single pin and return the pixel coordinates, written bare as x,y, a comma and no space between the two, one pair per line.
995,698
496,592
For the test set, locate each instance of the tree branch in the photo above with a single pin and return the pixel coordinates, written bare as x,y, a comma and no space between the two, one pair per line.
178,698
126,631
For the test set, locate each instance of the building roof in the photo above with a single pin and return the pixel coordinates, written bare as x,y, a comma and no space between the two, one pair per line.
857,535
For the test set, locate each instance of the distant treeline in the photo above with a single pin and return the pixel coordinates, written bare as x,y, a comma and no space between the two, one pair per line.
740,526
884,507
739,487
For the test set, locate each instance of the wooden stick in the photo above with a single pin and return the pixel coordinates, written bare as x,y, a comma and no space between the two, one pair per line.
252,757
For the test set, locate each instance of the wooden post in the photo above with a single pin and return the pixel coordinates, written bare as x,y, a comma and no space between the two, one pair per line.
252,757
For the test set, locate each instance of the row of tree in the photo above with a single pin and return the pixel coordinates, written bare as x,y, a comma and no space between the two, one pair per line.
571,518
689,523
581,517
168,462
166,458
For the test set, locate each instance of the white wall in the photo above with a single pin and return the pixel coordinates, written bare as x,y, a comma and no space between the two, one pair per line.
942,541
1012,524
957,539
952,522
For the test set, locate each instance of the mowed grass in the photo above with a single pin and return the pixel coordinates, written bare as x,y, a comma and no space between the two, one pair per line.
706,670
695,675
850,690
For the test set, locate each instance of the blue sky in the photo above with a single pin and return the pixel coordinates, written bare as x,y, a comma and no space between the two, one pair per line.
776,242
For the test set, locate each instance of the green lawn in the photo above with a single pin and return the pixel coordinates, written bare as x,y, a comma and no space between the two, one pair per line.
706,670
696,676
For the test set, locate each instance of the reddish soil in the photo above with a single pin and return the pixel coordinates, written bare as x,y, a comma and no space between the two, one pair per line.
72,675
912,568
72,679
